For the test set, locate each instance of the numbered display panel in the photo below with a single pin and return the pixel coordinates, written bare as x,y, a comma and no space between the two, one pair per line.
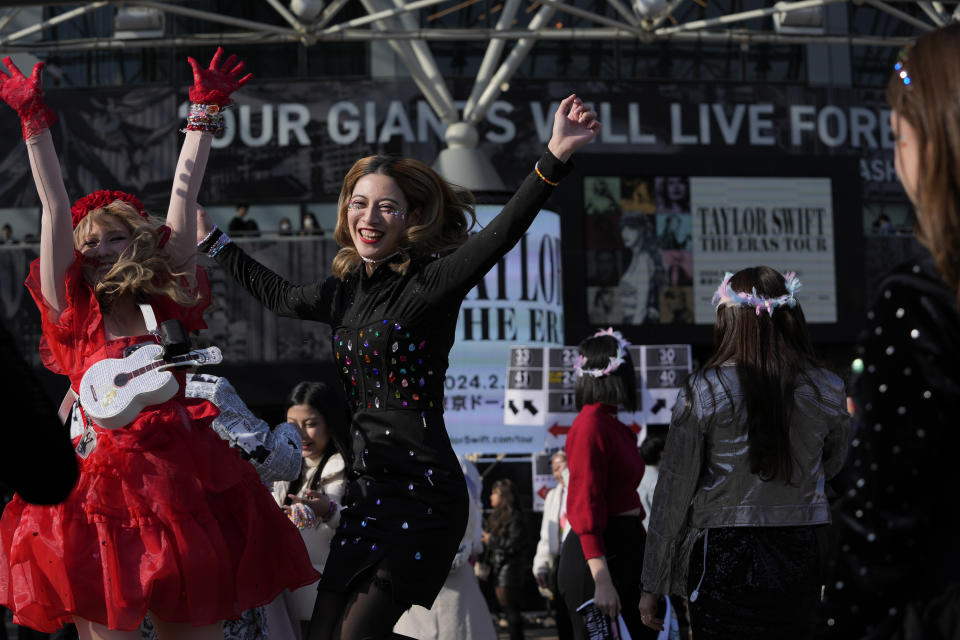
541,384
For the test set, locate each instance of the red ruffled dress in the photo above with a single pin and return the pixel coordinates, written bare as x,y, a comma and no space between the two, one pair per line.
165,516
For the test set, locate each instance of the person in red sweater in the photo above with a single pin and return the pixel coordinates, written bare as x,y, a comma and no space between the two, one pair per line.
602,556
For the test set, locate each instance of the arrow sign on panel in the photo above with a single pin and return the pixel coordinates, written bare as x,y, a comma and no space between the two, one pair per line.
556,430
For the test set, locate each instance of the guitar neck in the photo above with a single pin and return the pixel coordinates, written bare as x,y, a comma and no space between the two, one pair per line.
187,357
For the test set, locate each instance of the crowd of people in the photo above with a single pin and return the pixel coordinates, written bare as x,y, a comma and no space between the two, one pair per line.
179,514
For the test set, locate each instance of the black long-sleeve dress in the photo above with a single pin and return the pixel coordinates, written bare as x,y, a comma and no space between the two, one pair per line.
406,503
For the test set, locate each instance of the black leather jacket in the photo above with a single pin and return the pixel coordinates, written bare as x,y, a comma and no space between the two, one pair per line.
705,479
505,553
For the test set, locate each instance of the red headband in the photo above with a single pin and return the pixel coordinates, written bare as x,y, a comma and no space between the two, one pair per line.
99,199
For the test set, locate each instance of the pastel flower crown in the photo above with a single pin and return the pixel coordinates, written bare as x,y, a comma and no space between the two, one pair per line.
99,199
615,361
725,295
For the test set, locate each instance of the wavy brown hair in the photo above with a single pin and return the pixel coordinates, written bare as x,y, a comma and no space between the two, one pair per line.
931,104
773,354
143,269
498,522
441,214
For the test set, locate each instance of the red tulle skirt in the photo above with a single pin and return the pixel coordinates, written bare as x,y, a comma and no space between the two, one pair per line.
165,517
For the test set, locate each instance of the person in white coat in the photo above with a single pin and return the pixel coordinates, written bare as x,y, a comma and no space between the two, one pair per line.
651,450
553,528
460,610
313,500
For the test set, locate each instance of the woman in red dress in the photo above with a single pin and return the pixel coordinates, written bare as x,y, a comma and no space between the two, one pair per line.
165,517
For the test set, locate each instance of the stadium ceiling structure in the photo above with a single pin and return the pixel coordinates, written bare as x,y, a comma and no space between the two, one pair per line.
410,27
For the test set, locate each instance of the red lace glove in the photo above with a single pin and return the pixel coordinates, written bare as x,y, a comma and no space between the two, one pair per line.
215,84
26,97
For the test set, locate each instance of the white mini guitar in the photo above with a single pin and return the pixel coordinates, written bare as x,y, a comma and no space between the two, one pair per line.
115,390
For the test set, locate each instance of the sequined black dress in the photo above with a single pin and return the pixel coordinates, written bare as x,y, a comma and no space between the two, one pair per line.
406,505
898,563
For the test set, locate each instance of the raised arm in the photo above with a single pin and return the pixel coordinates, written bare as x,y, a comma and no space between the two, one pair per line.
311,302
210,94
25,96
574,125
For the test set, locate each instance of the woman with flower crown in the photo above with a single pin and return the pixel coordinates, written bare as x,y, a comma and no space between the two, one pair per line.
165,517
754,435
602,555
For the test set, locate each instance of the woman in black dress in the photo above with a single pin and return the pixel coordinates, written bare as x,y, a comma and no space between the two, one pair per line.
404,269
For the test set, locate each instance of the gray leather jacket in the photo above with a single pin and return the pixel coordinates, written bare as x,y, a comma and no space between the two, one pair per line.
705,479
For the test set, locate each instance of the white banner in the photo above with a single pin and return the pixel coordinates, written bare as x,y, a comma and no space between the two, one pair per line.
784,223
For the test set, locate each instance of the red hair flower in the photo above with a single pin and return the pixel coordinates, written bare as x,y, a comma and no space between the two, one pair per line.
99,199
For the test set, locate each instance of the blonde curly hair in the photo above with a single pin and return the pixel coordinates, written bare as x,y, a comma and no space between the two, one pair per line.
441,214
143,269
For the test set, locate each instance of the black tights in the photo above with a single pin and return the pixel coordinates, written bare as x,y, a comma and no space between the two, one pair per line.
366,612
510,600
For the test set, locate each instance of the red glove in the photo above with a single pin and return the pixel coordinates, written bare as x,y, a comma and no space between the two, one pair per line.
215,84
26,97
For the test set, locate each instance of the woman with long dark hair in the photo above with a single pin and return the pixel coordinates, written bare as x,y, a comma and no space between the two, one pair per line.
504,537
602,555
898,570
754,435
313,500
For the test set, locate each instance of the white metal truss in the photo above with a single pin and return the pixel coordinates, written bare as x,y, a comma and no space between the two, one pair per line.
397,20
399,23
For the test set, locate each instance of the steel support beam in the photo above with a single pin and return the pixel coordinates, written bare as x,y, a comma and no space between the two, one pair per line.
509,66
287,15
626,12
595,17
780,7
928,9
451,35
897,13
428,66
328,14
427,77
63,17
379,15
491,57
5,20
212,17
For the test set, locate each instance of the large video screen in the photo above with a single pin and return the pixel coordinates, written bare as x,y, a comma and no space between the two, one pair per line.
658,246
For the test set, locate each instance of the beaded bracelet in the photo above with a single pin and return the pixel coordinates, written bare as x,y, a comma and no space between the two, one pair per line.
536,168
205,117
302,516
214,243
330,511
